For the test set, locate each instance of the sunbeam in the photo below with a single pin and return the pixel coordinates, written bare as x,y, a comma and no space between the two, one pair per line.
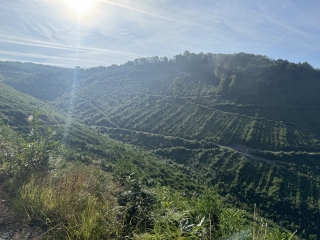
75,81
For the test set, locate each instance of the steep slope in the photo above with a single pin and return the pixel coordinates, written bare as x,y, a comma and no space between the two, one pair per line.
244,123
15,107
256,102
81,142
41,81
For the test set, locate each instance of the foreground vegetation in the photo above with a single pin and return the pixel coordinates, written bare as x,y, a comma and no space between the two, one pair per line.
74,200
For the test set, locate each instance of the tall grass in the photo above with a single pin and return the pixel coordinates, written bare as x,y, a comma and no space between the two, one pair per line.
201,217
80,204
262,231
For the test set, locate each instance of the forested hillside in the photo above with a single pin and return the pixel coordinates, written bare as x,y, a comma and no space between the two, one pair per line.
245,124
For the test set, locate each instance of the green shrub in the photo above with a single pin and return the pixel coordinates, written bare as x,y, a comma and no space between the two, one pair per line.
31,156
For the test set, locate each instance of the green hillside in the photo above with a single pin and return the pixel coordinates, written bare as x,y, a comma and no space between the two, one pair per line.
15,107
82,143
96,187
241,98
243,123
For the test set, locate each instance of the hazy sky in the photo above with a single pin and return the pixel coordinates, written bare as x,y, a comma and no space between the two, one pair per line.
91,33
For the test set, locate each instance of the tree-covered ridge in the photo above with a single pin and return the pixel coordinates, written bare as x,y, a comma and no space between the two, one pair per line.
238,98
201,74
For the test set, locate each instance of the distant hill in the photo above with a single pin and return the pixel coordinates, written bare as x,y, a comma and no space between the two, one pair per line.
229,99
245,123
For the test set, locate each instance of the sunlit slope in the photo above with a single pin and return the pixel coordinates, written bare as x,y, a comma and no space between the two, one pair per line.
257,102
180,117
84,144
284,185
41,81
16,107
286,192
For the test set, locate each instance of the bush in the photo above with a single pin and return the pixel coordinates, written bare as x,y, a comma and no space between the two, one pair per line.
31,157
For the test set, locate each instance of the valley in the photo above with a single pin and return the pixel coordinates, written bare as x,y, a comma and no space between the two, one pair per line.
243,124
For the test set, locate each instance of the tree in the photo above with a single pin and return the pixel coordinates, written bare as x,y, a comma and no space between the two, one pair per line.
222,87
233,84
178,86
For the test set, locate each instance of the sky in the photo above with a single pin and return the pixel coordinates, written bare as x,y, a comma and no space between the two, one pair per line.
89,33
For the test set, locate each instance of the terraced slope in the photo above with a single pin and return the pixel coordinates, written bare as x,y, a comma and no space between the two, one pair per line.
277,114
81,142
247,124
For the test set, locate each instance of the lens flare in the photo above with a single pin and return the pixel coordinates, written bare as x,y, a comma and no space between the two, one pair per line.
82,7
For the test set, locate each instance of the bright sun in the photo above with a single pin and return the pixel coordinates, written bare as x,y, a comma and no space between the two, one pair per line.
82,7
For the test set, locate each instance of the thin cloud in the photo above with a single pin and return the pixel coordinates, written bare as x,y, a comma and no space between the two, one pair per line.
32,55
35,43
144,12
112,35
165,18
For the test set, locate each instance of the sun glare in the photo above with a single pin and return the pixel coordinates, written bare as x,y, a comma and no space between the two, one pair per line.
82,7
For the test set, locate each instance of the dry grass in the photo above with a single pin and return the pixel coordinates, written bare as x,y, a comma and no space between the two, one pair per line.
76,204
